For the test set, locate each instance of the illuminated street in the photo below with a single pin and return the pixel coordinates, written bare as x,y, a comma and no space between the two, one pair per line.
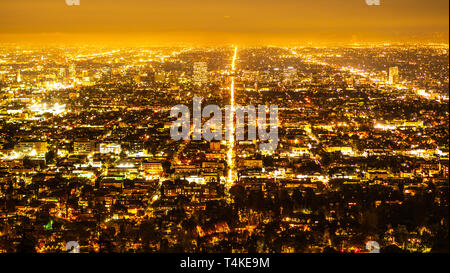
231,153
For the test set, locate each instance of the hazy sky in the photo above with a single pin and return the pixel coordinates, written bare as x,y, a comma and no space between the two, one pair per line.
212,20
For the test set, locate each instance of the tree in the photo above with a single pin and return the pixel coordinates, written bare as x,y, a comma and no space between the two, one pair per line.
50,157
239,195
166,165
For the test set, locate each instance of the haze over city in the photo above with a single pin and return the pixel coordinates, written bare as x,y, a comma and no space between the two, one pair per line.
353,156
249,22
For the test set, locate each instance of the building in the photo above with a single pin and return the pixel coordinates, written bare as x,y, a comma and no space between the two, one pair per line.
200,73
394,77
110,148
62,73
72,71
83,147
214,146
253,163
136,148
290,74
19,76
107,74
31,148
152,168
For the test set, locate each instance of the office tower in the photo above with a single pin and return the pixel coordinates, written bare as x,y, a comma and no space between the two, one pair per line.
290,74
107,73
200,73
85,76
394,77
72,71
19,76
61,73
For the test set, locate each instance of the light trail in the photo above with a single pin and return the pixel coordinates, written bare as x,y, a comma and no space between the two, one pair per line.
231,154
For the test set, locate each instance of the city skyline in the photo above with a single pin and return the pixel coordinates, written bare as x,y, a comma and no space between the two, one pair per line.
230,127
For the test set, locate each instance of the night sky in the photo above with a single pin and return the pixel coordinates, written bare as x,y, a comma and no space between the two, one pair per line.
249,21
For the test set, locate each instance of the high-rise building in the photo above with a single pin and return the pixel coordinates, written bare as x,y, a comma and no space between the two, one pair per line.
72,71
200,73
62,73
107,74
394,77
19,76
290,74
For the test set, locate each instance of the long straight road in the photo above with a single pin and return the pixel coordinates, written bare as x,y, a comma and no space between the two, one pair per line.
231,153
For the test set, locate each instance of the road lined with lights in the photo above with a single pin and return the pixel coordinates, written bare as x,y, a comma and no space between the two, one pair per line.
231,153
